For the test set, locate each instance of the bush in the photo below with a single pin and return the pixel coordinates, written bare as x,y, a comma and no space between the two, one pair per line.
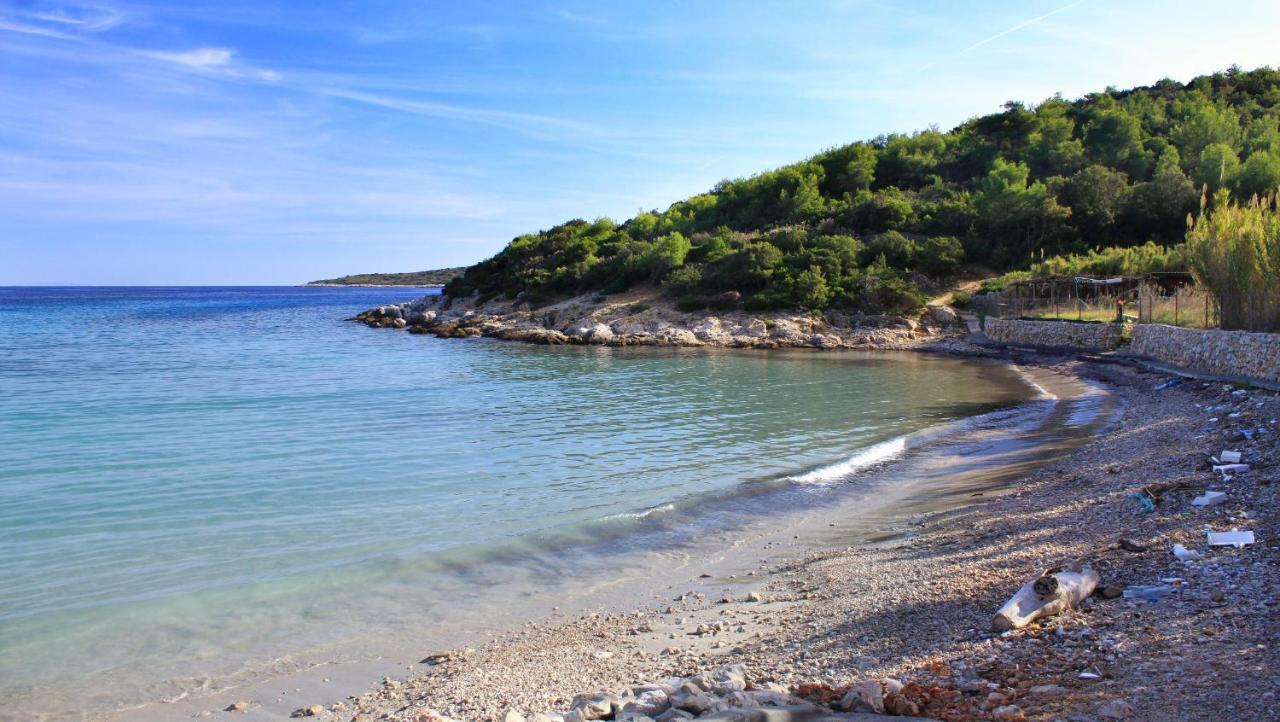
682,280
1234,250
960,299
898,250
939,255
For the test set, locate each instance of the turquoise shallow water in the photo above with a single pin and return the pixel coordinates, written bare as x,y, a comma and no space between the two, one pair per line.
195,483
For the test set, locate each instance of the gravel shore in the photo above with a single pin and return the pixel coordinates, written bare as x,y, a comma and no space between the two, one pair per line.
919,609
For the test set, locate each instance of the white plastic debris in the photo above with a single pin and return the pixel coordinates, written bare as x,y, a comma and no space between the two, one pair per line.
1230,457
1184,554
1233,538
1231,468
1209,498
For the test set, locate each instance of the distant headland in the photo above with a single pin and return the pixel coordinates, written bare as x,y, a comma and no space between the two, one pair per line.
436,277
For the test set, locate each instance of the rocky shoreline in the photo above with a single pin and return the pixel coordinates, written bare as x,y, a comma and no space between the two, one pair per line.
906,628
646,318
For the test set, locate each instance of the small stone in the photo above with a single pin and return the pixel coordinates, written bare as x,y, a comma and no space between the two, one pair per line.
1217,597
1116,709
513,716
1112,591
240,706
1008,713
314,710
1047,690
755,597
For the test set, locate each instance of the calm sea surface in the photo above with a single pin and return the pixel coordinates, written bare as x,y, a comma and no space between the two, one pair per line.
198,483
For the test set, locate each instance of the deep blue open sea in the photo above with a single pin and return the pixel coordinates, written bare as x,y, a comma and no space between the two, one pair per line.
198,483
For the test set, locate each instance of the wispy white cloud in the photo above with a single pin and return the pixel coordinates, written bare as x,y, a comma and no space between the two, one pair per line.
28,29
198,58
581,19
90,18
64,23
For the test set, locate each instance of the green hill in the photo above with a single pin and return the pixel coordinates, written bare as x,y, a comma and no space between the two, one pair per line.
863,225
437,277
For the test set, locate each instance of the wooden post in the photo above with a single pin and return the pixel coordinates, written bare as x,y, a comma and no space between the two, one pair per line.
1175,307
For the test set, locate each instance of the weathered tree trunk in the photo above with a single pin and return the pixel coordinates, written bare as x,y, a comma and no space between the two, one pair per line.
1044,597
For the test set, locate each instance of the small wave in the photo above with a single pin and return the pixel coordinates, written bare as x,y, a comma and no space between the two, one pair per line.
869,456
660,509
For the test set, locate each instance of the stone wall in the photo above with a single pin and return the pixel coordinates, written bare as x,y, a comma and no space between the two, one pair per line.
1227,353
1092,336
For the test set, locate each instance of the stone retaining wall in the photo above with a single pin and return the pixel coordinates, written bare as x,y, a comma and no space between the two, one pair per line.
1228,353
1093,336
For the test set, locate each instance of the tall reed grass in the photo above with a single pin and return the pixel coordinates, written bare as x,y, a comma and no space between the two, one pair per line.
1234,250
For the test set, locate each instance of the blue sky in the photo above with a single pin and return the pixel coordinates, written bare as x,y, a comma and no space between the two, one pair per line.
277,142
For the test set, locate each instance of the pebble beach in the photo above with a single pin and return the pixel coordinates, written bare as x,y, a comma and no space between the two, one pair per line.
903,625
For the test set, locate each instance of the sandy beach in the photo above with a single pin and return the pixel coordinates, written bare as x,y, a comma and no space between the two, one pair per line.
807,611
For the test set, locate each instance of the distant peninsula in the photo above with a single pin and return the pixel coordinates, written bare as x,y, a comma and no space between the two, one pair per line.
436,277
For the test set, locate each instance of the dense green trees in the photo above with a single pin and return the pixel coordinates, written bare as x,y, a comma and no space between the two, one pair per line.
861,225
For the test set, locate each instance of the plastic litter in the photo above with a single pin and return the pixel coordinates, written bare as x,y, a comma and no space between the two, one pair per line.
1231,468
1209,498
1169,384
1148,592
1184,554
1146,502
1233,538
1229,457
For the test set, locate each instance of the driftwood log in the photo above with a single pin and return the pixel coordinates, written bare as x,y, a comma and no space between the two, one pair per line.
1052,593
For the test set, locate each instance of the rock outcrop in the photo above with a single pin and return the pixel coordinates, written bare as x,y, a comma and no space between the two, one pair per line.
655,323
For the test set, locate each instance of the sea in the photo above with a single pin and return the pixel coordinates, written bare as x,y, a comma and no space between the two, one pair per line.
205,488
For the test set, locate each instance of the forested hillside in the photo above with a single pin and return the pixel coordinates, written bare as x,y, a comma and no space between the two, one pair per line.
860,226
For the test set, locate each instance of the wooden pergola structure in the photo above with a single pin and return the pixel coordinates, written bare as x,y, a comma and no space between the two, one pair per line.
1063,294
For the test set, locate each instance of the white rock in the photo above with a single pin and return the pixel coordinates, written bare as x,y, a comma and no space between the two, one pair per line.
599,333
691,698
673,715
593,706
868,692
649,703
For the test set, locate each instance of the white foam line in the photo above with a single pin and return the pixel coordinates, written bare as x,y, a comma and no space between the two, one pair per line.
1030,381
869,456
640,514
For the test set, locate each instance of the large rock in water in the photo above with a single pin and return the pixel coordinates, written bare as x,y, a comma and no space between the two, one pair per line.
599,333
